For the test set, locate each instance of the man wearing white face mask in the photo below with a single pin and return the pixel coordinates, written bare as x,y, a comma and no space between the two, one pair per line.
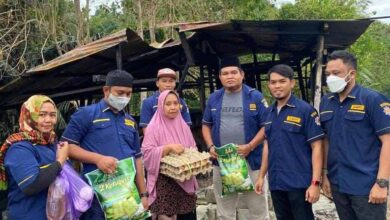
356,121
101,134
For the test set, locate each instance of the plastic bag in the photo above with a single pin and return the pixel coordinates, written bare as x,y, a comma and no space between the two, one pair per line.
234,170
117,193
57,203
68,196
80,193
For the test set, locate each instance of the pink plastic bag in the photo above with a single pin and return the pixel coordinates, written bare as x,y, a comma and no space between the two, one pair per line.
68,196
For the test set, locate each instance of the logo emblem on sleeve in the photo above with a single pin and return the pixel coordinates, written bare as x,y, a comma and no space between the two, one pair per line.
265,103
386,110
317,120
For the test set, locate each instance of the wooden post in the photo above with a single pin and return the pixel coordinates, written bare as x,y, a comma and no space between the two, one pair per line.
300,80
210,76
202,89
119,57
189,56
318,85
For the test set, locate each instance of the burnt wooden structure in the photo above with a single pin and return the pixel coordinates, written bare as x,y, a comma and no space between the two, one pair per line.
302,44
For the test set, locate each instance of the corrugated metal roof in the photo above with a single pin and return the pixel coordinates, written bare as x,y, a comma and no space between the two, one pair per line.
74,71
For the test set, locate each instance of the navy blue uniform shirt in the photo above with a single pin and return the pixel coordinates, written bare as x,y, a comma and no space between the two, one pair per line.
289,135
149,107
254,106
353,128
23,162
97,128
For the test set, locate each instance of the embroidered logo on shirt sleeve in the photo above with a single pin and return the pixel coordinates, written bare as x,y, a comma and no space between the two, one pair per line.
265,103
386,110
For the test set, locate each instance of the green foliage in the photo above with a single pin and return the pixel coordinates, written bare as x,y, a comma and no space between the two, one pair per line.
372,49
107,20
324,9
373,52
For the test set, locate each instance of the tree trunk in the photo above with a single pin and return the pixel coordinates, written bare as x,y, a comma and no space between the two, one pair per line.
79,19
88,36
140,20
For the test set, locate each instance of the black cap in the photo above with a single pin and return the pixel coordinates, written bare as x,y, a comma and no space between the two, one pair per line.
119,78
229,61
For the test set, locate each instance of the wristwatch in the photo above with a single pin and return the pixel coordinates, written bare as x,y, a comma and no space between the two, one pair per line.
144,194
382,183
210,146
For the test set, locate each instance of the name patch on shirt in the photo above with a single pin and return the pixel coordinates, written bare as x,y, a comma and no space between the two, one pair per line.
252,107
294,119
358,107
129,122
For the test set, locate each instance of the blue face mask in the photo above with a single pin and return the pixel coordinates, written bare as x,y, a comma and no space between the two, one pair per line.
118,102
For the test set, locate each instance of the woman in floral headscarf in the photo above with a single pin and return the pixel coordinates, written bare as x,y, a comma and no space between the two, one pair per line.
167,133
28,162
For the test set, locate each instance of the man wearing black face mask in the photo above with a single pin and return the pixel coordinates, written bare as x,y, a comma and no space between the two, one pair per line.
101,134
356,121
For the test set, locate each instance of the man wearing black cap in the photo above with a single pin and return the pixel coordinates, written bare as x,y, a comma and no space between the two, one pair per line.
292,154
233,115
101,134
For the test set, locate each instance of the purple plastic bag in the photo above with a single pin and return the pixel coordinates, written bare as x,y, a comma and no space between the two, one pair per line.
80,193
57,203
68,196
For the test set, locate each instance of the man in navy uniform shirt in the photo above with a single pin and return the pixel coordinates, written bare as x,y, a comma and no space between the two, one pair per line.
166,80
357,151
101,134
292,154
233,115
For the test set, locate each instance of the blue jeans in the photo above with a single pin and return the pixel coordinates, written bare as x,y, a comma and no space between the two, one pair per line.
290,205
350,207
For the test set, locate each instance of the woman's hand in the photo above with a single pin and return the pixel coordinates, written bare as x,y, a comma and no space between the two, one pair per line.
62,152
176,148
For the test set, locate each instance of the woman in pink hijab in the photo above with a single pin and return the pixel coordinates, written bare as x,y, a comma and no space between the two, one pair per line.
168,133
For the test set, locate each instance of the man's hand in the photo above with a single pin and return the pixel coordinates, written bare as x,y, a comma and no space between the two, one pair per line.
107,164
326,186
145,202
244,150
212,152
377,195
259,185
313,193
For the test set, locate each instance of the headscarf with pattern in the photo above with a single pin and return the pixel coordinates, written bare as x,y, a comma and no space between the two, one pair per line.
28,119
